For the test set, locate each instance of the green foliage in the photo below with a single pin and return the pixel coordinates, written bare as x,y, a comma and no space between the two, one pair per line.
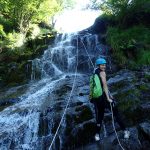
33,31
19,19
143,87
44,31
128,99
23,12
144,58
94,4
147,76
67,4
7,24
124,11
130,36
113,7
2,33
47,10
21,36
132,43
14,40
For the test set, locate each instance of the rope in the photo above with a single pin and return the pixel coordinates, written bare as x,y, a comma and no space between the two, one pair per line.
115,128
88,55
67,102
110,104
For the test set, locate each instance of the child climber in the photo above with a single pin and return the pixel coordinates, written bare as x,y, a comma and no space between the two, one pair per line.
103,99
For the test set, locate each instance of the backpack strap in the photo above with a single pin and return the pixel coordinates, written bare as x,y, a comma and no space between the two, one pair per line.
94,84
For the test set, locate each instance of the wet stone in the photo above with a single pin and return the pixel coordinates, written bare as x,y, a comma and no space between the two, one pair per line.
145,129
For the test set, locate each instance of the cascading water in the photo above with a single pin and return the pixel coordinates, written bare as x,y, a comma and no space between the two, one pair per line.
56,60
30,123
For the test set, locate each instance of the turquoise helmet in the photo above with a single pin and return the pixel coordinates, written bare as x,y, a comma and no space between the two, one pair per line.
100,61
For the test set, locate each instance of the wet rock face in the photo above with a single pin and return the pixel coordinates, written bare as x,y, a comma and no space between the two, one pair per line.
111,142
128,144
145,129
100,26
49,69
78,127
78,133
144,134
11,96
78,121
128,88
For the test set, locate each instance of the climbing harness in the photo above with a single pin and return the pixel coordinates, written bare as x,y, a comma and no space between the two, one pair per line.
61,121
110,103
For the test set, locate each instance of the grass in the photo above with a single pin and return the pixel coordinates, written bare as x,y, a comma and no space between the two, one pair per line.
130,45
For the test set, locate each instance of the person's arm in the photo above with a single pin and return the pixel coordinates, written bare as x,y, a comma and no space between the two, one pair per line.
103,77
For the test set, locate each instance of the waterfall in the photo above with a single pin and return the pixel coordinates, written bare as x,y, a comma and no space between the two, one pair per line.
21,123
56,60
61,58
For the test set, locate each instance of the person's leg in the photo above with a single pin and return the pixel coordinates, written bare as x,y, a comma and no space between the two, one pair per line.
99,111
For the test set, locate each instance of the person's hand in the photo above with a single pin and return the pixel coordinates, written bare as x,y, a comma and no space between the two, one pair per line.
110,100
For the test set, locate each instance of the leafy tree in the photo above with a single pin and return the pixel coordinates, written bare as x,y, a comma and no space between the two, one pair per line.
94,4
24,12
2,33
130,44
67,4
124,10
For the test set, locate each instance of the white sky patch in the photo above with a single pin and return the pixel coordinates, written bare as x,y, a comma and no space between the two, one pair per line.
76,20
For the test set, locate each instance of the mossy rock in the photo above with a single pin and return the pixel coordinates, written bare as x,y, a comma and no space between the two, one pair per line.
84,114
15,77
14,94
9,57
39,50
143,87
147,76
62,90
129,102
144,130
81,134
125,95
77,116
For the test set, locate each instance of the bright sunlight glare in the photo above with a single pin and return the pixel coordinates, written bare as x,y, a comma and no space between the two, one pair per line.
76,19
